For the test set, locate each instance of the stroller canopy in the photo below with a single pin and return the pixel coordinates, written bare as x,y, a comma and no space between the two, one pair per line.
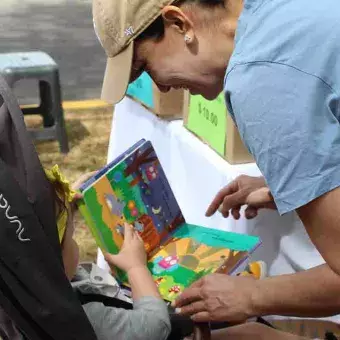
35,294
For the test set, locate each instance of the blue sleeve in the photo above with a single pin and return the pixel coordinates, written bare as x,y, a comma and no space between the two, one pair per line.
288,119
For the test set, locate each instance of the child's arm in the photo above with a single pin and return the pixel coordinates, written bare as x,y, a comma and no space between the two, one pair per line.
149,319
147,288
132,259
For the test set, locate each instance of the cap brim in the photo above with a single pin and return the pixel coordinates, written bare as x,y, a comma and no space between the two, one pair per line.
117,76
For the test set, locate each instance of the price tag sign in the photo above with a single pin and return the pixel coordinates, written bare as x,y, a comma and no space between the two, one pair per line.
208,119
141,89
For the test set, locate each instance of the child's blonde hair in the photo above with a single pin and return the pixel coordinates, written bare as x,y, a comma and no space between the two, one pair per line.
64,198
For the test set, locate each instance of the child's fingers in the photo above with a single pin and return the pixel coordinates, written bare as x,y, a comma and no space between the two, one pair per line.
107,257
139,237
135,234
83,179
113,271
78,196
128,233
112,260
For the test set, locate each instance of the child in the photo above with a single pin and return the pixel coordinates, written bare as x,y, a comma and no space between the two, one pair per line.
149,318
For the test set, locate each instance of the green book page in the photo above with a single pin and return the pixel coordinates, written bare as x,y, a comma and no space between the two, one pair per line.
218,238
208,120
101,222
134,191
94,198
90,223
195,251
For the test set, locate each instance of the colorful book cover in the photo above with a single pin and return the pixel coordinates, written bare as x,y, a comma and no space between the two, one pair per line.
134,189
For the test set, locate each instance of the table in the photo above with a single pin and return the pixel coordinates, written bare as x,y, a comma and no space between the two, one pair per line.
196,173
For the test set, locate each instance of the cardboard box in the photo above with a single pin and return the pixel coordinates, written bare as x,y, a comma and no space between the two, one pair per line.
165,105
211,122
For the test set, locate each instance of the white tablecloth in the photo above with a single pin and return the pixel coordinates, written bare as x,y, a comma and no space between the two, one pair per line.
196,173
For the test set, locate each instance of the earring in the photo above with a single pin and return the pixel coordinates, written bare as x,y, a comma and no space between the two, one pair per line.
187,39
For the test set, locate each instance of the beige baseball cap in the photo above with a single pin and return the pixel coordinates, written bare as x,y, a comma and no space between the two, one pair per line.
117,24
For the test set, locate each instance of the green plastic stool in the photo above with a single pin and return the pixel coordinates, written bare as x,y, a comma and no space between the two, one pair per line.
40,66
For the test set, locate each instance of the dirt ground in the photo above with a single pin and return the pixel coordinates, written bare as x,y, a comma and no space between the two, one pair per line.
88,132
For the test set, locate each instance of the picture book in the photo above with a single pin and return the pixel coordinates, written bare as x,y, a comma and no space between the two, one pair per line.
134,189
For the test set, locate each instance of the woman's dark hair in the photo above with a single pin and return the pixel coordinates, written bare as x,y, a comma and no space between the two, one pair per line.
156,29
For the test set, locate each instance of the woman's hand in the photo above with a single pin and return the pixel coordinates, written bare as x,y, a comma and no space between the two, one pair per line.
244,190
132,255
219,298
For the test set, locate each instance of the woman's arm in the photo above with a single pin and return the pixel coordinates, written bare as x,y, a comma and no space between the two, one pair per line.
321,219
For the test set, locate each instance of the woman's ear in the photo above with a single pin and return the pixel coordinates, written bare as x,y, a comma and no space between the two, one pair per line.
175,18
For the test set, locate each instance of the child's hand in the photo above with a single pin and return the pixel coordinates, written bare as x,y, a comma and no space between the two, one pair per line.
76,186
78,196
132,254
79,182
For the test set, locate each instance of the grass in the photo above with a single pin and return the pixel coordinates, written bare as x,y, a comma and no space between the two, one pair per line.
89,133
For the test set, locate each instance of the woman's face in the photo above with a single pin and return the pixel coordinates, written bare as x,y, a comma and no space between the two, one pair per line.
198,65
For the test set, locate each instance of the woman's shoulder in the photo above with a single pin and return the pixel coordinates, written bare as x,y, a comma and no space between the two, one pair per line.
288,32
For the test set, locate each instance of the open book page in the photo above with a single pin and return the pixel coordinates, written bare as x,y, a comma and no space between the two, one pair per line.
135,191
111,165
194,252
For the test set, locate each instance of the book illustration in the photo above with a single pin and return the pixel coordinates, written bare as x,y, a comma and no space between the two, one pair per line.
135,191
111,165
184,260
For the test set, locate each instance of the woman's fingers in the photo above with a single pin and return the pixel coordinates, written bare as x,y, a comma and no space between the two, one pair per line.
236,212
232,202
189,296
250,212
192,308
260,197
220,197
201,317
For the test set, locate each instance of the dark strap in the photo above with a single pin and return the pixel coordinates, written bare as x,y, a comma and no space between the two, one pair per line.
18,152
34,291
8,330
105,300
330,336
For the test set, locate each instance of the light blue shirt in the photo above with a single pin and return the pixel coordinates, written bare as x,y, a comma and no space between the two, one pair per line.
282,88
